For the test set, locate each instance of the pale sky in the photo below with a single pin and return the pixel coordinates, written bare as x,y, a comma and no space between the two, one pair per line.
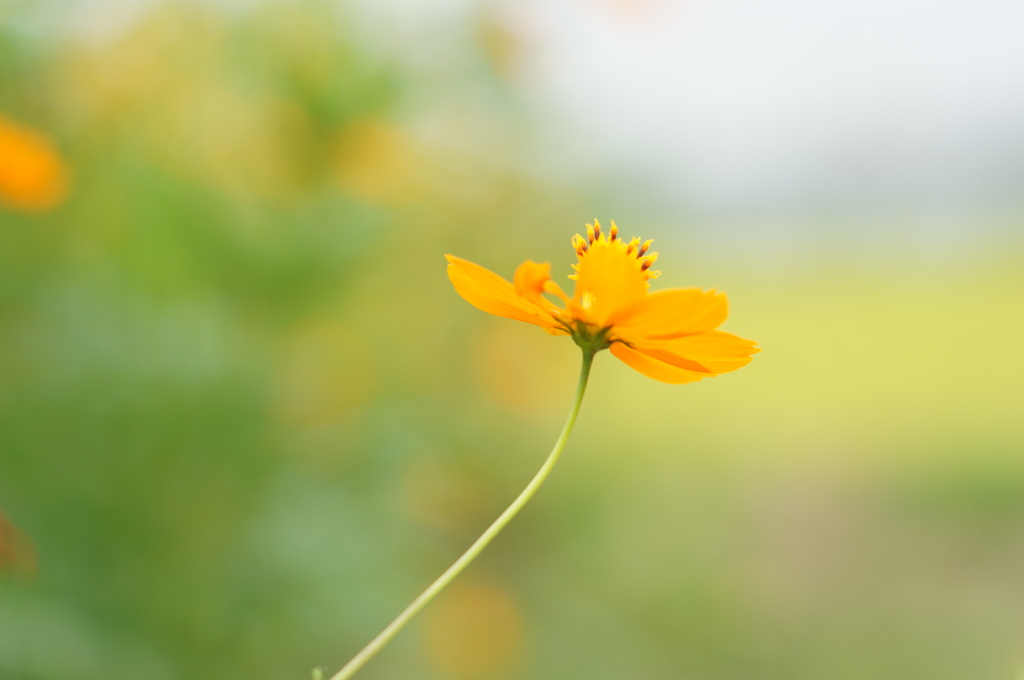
745,100
915,104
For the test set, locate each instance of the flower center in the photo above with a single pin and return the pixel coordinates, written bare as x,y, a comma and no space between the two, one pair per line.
633,248
610,273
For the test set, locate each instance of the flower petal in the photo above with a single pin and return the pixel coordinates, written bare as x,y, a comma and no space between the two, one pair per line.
688,358
655,368
715,351
530,278
488,292
670,314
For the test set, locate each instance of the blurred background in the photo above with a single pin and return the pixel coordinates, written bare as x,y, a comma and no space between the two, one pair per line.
244,418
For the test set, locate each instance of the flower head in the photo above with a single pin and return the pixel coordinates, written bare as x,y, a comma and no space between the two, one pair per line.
669,335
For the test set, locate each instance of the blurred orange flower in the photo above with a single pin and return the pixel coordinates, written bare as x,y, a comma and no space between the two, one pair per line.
669,335
478,631
33,176
17,553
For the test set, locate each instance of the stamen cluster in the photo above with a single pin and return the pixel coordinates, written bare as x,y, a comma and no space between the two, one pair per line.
634,247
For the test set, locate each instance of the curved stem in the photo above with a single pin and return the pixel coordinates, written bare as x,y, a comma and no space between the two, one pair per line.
368,652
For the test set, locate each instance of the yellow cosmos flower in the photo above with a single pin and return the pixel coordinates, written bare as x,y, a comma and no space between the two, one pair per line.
670,335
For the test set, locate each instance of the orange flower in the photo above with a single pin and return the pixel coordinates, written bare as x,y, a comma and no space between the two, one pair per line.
669,335
32,174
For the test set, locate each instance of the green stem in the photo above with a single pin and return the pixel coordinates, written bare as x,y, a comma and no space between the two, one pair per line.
368,652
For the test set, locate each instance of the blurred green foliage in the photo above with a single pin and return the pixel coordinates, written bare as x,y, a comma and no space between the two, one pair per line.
244,419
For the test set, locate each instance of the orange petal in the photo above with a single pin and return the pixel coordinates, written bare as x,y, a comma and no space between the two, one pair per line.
655,368
715,351
530,278
671,314
487,291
